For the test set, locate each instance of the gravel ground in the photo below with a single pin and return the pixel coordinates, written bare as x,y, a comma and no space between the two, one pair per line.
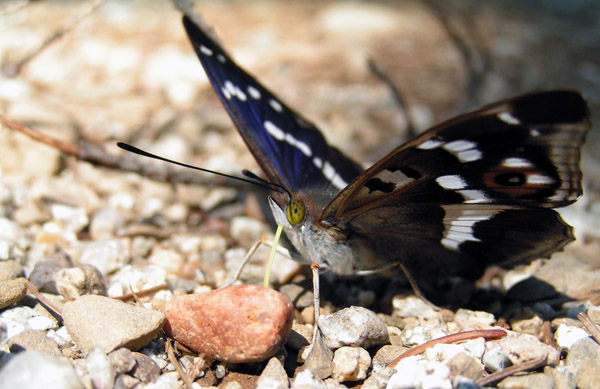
127,73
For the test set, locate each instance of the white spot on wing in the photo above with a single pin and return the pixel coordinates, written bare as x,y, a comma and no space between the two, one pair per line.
533,132
276,105
508,118
459,223
459,145
339,182
451,182
328,171
304,148
539,179
430,144
473,196
254,93
469,155
516,163
275,131
205,50
221,58
318,162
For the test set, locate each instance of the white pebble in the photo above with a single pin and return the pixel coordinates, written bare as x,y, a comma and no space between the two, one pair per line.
42,323
566,335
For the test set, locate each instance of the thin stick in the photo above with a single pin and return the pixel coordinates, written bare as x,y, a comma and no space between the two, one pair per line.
316,299
589,325
453,338
175,362
141,293
14,70
512,370
399,99
99,157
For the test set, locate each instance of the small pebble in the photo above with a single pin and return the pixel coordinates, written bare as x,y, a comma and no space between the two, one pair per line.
535,380
107,255
523,347
273,376
307,379
77,281
566,336
108,324
353,326
10,270
32,369
350,364
100,369
122,359
42,323
245,323
413,372
33,340
11,291
145,369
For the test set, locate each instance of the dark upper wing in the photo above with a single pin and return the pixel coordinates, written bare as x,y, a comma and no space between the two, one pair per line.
289,149
521,152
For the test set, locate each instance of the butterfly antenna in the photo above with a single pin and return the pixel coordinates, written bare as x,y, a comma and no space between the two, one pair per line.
273,186
255,179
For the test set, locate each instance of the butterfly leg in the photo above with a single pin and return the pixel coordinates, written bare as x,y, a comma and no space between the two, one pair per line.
267,242
415,287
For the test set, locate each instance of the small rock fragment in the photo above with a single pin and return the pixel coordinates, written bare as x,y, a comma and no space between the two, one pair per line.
122,359
30,340
11,291
520,348
107,255
354,326
77,281
566,336
535,380
145,369
273,376
350,364
33,369
587,376
244,323
465,366
10,270
413,372
100,321
307,379
100,369
299,337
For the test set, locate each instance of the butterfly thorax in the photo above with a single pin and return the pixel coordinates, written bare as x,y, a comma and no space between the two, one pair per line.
316,243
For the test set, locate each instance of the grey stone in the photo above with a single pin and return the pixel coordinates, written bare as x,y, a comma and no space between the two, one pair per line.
122,359
109,324
146,370
354,326
34,370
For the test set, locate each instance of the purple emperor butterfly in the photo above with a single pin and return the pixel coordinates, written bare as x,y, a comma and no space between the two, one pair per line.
474,191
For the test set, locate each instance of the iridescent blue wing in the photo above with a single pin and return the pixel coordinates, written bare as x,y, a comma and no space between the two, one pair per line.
289,149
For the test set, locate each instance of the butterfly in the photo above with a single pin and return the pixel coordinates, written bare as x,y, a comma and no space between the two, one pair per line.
474,191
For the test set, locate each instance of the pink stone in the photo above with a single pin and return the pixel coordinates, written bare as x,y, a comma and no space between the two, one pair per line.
238,324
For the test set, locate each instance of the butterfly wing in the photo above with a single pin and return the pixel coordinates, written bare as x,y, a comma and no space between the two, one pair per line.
289,149
480,185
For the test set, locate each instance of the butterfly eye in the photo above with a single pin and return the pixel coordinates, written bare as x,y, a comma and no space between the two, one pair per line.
295,212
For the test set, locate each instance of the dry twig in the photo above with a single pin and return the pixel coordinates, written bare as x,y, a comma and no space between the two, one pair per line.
98,156
589,325
13,69
532,364
453,338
